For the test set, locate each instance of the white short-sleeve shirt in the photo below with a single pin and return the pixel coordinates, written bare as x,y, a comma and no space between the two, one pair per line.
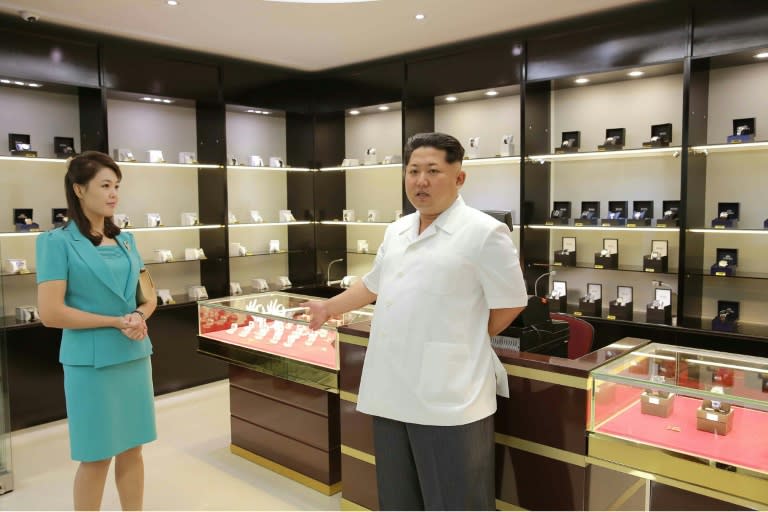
429,359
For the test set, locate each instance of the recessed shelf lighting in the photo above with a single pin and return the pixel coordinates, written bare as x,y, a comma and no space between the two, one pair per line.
635,73
264,113
19,83
491,93
146,98
383,108
252,111
582,80
7,81
354,112
451,99
172,3
166,101
4,81
34,85
156,100
420,17
762,55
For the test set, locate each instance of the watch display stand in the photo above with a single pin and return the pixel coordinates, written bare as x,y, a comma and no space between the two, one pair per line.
614,140
590,214
617,214
641,215
658,260
566,257
727,261
592,303
661,136
560,214
660,310
557,300
570,142
743,131
727,316
608,257
19,144
728,216
670,216
617,311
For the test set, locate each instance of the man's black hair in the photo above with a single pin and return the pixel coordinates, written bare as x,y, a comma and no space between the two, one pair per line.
454,151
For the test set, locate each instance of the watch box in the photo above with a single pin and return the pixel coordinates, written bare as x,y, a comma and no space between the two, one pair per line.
660,310
560,214
670,217
621,307
566,257
590,214
727,316
614,140
714,416
726,262
661,136
19,144
557,300
641,214
608,257
592,303
27,314
507,147
64,147
743,131
617,214
59,217
23,220
657,403
123,155
570,142
658,259
727,216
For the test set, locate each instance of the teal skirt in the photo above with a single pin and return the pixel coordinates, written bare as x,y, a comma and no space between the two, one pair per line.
109,409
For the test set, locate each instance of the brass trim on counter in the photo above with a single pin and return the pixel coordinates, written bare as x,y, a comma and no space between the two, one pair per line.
542,450
503,505
347,396
626,495
668,467
353,340
561,379
351,505
281,470
357,454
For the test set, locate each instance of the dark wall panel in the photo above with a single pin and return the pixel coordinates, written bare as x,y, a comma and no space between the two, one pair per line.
723,27
93,119
358,86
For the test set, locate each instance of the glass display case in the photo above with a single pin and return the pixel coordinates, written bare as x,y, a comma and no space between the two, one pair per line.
705,409
269,332
6,475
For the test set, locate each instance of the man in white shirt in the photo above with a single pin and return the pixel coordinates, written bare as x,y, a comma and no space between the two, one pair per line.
445,279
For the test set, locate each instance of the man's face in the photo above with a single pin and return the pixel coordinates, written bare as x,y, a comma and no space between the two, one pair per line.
431,183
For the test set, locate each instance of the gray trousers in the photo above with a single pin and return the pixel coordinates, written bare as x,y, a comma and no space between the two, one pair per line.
421,467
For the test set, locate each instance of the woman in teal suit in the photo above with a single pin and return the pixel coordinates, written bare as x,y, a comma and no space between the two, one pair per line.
87,273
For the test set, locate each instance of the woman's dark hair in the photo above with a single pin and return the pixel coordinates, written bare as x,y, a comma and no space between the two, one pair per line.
81,170
454,151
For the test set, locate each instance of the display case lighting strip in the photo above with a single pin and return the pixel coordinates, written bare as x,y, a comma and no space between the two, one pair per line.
726,365
266,224
362,167
342,223
181,166
746,146
24,233
31,159
175,228
496,160
730,231
622,153
601,228
265,168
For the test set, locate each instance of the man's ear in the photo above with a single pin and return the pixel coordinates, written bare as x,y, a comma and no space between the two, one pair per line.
461,177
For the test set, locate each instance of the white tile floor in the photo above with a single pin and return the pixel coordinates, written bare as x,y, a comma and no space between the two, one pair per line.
189,467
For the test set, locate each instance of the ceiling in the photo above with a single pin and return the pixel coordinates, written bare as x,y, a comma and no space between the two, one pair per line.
308,37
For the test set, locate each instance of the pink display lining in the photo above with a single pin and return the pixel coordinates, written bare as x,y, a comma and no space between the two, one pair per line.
322,353
746,445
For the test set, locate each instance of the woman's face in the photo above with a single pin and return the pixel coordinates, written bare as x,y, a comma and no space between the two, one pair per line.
99,196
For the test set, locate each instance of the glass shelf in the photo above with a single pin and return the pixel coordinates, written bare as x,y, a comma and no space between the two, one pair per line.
10,234
495,160
603,228
622,268
723,148
369,253
264,168
267,224
729,231
363,167
737,275
170,165
31,159
254,254
673,151
180,260
175,228
342,223
18,274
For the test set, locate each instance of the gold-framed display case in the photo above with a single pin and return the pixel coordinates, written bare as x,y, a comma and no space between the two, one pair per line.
694,419
269,333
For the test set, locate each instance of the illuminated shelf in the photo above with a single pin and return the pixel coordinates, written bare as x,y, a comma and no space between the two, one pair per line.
10,234
723,148
267,253
264,168
599,155
267,224
730,231
737,274
33,159
369,253
591,266
363,167
495,160
174,228
170,165
180,260
602,228
30,273
357,223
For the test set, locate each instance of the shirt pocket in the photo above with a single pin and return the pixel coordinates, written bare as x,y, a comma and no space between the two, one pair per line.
445,274
445,377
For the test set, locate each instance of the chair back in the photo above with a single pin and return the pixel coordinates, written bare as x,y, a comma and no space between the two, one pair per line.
582,334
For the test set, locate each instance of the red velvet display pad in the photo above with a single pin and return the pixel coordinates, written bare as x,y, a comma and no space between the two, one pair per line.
321,353
746,445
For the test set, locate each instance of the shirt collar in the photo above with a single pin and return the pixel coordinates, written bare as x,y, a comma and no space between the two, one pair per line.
447,221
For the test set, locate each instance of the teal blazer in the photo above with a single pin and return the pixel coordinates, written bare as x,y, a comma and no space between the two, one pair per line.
65,254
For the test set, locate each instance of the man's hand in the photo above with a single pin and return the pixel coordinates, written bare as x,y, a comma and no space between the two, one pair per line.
133,327
318,313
